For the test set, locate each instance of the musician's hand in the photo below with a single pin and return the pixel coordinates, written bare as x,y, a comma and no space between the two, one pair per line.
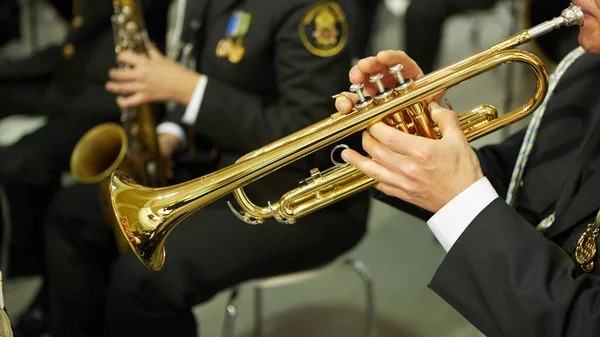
167,145
425,172
381,63
152,78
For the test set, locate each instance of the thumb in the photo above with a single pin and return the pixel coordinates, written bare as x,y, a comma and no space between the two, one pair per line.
447,121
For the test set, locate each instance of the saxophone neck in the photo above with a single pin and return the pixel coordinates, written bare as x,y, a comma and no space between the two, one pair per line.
129,27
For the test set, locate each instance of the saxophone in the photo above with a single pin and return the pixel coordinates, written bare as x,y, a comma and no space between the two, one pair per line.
131,146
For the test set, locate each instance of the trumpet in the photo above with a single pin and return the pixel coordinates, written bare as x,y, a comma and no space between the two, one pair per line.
147,215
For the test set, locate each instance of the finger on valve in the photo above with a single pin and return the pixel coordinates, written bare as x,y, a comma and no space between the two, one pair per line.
385,84
392,57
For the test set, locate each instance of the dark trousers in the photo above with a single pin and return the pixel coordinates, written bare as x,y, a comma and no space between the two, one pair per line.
95,292
423,26
30,169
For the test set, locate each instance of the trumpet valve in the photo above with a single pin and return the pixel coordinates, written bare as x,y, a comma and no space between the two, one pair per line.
422,123
364,102
394,119
403,83
384,94
396,70
397,121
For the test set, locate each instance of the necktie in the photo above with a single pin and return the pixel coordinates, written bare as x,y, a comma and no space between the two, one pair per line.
531,134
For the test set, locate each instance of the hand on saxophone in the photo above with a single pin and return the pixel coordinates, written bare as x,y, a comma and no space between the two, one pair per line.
381,63
151,78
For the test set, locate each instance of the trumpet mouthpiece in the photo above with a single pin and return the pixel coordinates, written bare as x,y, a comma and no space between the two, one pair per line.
569,17
572,15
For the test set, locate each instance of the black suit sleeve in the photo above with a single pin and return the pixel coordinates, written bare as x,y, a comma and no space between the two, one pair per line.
175,115
497,161
509,280
241,120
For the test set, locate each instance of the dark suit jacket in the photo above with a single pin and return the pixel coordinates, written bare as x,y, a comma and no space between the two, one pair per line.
277,88
10,20
503,275
70,78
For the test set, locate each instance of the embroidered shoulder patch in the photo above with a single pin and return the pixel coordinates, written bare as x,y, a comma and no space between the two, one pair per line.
324,29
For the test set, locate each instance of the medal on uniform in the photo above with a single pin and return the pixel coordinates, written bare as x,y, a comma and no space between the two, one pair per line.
236,53
586,247
223,47
232,46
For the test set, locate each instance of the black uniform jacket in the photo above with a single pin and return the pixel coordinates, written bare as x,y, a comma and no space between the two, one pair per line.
10,22
503,275
71,77
278,87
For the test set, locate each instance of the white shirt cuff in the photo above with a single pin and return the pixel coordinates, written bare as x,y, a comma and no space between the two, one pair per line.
174,129
451,220
192,109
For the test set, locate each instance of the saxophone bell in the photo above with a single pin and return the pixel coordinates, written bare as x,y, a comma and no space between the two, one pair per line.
131,146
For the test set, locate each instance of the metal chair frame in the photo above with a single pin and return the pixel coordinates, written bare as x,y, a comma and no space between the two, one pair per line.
357,266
